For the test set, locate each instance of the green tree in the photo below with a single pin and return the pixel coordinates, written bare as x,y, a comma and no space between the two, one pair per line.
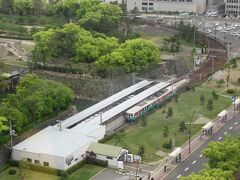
141,150
43,50
220,82
210,174
215,95
169,112
210,105
224,155
103,18
3,124
202,99
182,126
165,131
171,44
133,56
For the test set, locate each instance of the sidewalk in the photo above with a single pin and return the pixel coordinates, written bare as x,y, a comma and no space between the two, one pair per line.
196,141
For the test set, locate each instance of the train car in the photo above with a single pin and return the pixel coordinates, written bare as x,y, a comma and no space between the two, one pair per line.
154,101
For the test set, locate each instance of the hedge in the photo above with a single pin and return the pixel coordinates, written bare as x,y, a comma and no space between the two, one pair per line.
76,167
37,168
98,162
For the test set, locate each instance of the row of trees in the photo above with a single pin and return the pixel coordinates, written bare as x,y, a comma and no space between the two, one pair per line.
34,99
224,160
73,42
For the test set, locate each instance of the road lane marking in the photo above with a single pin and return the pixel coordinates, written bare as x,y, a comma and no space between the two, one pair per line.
194,162
200,156
225,133
235,123
186,169
219,138
179,176
230,127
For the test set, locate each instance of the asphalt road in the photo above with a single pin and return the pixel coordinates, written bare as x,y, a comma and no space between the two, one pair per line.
196,160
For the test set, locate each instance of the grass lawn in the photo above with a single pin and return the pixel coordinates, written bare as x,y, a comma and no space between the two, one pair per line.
86,172
151,136
31,175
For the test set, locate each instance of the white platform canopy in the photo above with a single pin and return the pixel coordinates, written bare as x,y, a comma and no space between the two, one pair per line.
176,152
105,103
207,126
222,114
237,101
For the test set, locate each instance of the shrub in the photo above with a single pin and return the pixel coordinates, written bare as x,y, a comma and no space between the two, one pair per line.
107,138
12,171
166,145
4,167
76,167
13,163
46,170
64,175
230,91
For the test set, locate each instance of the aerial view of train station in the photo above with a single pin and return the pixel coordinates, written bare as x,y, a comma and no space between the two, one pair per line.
119,90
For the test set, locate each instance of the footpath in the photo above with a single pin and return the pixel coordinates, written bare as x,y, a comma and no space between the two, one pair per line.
162,171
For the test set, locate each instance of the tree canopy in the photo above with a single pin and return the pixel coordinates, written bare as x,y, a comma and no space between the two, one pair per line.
224,160
133,56
34,99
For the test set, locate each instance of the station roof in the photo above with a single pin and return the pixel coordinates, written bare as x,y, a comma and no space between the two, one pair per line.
176,152
105,103
208,125
54,142
223,113
133,101
105,150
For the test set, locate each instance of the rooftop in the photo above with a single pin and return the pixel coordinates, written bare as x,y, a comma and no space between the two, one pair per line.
54,142
104,149
105,103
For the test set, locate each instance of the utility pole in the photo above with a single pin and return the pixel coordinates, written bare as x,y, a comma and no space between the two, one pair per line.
189,135
228,76
11,133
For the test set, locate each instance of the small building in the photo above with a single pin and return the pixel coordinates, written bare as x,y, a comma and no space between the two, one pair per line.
223,115
112,154
58,147
208,128
237,104
176,154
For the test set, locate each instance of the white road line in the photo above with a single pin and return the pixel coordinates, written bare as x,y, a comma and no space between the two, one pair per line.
186,169
219,138
230,127
225,133
194,162
200,156
179,176
235,123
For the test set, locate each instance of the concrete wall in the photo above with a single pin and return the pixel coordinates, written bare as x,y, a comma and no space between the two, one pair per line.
89,88
54,161
112,125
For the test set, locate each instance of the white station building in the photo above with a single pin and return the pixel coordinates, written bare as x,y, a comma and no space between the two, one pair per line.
65,144
195,6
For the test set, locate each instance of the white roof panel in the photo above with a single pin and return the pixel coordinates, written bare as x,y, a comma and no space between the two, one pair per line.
223,113
105,103
54,142
176,152
131,102
208,125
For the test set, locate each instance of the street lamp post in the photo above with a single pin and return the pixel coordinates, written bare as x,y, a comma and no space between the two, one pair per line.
238,81
189,133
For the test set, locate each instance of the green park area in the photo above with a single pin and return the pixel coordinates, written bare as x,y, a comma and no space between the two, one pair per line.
84,173
152,133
